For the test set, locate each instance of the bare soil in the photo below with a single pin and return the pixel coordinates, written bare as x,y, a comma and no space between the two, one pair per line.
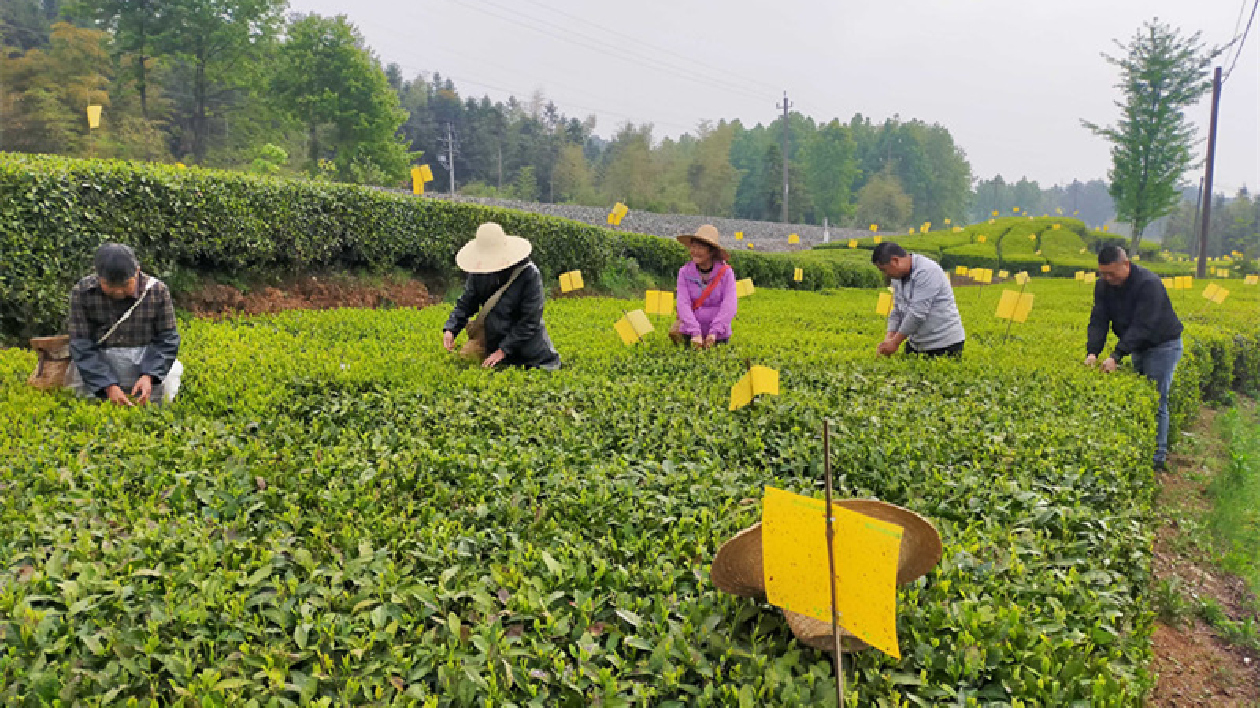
306,293
1194,665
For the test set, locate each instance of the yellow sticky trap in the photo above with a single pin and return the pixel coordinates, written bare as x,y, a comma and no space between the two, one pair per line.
417,185
1015,209
1045,268
1055,227
621,210
852,243
947,222
865,553
1022,277
426,173
1004,274
1090,278
94,116
1252,280
1169,283
566,283
739,235
744,288
1014,306
958,229
794,238
633,326
1210,291
1032,237
1058,210
981,238
1080,275
874,228
880,239
750,246
884,306
986,276
798,275
660,302
961,270
1081,251
1220,295
995,212
575,277
760,380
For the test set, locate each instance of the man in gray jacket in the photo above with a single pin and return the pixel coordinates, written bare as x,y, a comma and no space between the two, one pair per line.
924,314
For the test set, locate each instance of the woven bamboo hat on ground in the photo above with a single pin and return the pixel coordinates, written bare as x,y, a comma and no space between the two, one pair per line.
492,250
738,570
706,234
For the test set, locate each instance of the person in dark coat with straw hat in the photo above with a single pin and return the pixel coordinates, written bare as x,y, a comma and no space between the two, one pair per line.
706,300
505,286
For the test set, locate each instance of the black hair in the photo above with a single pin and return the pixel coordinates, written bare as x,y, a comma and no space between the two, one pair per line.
1111,254
885,252
116,263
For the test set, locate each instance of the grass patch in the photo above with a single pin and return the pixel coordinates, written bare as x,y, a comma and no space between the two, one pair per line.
1235,517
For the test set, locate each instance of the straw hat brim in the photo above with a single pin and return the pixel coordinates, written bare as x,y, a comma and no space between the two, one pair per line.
737,567
686,239
817,634
475,257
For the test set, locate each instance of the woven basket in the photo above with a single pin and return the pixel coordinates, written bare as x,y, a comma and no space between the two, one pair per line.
54,362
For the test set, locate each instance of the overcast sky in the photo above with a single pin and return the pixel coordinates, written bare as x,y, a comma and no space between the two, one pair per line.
1010,79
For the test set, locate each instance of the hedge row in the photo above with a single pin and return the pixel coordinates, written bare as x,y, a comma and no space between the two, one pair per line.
55,212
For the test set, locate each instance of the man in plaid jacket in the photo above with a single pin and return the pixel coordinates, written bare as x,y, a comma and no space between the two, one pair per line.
123,338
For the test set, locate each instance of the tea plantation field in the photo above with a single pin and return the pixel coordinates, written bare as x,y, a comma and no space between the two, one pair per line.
337,513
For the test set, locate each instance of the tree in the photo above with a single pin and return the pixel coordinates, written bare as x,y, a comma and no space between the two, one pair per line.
330,81
1161,74
574,183
712,177
221,41
830,169
882,201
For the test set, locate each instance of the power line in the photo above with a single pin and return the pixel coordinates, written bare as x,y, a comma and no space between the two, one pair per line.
1242,9
660,48
1243,41
542,26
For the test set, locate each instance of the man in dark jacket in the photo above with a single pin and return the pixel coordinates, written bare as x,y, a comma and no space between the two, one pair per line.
122,332
514,332
1131,300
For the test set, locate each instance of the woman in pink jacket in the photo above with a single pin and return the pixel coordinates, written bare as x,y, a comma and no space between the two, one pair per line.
706,299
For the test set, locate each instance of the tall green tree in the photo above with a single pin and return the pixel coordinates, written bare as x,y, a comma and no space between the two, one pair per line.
882,201
830,167
328,79
1161,74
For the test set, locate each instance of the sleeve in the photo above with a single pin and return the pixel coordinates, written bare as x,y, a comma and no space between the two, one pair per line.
1099,322
160,355
895,315
687,323
96,373
918,308
1145,320
529,320
720,327
467,306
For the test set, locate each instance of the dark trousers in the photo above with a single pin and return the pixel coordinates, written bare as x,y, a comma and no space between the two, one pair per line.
954,350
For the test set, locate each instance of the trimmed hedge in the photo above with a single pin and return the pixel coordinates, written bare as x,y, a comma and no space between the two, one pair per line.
57,210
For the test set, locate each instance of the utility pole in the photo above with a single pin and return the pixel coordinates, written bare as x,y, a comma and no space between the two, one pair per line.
785,106
1204,228
450,156
1194,225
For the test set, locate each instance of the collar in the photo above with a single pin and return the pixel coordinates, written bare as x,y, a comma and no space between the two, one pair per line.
906,278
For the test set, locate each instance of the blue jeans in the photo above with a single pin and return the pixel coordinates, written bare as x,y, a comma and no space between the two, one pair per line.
1158,364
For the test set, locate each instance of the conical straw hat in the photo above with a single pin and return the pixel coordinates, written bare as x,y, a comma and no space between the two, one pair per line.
707,234
492,250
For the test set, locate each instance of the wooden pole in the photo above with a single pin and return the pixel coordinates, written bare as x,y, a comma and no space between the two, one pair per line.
831,564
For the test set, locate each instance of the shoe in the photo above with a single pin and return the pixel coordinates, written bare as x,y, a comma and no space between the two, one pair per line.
1161,466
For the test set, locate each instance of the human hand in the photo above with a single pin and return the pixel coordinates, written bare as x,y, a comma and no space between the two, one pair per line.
1109,365
697,342
886,348
1091,360
117,397
143,389
493,360
448,340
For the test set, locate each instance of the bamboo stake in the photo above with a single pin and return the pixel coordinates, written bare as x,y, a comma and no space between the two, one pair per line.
831,564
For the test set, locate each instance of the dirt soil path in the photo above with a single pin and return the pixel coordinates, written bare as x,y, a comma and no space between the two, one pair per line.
306,293
1195,666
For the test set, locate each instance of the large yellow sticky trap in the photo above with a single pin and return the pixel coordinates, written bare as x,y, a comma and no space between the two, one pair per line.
1169,283
618,213
571,281
1220,295
961,270
884,306
660,302
1210,291
758,381
1080,275
1022,277
633,327
794,238
865,551
1014,306
739,235
420,174
94,117
798,275
985,275
744,288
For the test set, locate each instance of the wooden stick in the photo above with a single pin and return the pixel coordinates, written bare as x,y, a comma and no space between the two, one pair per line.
831,564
